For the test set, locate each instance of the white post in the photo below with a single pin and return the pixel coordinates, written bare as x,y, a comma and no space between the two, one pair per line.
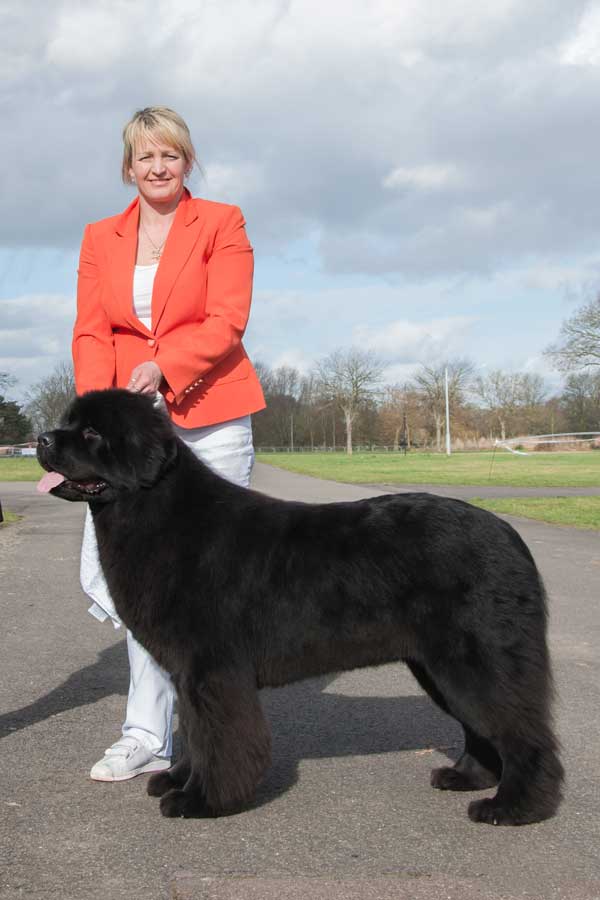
448,451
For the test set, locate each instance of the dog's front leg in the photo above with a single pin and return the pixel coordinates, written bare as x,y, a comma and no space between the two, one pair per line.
179,773
228,743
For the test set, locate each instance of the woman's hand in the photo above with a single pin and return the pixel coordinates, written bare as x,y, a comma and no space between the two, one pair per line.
145,379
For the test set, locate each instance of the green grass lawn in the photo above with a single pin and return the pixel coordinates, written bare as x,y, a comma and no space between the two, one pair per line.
20,468
579,512
575,469
9,517
538,470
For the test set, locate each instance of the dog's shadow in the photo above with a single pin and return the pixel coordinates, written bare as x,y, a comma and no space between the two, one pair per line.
307,720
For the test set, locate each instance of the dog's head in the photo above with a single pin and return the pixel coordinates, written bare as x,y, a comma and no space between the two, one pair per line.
109,442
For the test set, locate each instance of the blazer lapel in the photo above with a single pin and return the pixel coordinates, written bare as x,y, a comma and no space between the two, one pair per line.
182,238
122,263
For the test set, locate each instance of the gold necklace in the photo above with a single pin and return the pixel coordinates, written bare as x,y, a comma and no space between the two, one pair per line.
156,251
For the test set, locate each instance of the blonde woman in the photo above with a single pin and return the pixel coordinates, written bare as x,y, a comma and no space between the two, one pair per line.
163,299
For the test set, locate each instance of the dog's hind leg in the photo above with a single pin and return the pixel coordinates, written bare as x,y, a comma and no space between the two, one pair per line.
512,714
229,746
479,766
530,788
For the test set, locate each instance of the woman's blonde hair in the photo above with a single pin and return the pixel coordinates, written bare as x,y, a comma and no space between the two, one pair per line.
159,123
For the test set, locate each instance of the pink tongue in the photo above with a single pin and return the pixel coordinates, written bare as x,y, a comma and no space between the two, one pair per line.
48,481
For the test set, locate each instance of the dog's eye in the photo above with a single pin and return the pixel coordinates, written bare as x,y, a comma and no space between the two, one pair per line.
90,434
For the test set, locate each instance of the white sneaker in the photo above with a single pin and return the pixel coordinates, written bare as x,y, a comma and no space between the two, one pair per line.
126,759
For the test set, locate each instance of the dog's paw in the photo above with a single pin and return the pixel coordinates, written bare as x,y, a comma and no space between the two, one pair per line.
184,804
159,784
448,779
452,779
493,813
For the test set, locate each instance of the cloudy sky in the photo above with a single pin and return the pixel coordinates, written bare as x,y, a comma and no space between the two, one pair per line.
419,178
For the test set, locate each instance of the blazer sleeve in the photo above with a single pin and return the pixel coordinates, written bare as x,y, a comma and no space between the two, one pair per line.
93,343
187,353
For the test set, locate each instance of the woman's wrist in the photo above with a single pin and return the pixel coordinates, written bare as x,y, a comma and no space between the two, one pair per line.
145,378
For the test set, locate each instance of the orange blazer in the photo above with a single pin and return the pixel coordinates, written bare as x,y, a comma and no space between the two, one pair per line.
200,306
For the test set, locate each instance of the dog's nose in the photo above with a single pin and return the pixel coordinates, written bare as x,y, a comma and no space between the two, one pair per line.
46,439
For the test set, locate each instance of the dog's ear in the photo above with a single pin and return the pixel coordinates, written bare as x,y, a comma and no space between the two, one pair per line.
156,453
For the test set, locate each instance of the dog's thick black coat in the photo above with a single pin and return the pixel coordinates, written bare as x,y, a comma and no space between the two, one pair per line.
231,590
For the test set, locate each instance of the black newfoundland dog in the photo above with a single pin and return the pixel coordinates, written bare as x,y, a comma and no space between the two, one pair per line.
231,590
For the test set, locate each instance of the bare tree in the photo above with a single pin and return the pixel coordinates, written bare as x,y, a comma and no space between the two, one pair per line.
580,400
497,392
6,381
430,385
309,407
48,399
532,390
15,427
578,345
348,379
400,415
532,396
286,381
505,394
280,423
265,376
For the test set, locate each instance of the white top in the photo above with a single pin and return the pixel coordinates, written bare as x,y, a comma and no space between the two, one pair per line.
143,280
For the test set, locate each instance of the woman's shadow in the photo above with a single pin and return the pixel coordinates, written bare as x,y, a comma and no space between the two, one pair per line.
307,721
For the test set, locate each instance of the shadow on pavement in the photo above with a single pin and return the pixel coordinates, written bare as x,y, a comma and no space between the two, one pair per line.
108,675
307,721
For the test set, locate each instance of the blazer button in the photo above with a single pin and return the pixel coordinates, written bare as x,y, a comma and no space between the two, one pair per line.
151,342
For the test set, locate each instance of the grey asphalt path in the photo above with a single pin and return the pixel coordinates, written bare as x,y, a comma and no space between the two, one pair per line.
346,810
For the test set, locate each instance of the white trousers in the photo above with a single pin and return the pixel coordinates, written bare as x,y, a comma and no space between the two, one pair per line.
227,449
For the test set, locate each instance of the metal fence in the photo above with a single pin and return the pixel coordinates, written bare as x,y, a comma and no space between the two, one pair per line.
18,450
357,448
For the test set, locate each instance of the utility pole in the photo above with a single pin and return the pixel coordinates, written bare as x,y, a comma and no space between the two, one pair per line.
448,451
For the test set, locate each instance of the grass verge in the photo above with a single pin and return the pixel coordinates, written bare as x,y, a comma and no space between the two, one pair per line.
9,517
20,468
578,512
539,470
574,469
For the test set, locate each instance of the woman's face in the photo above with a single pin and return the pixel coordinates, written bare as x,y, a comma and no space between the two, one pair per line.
158,171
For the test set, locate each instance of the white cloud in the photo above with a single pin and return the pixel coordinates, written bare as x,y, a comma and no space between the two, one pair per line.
399,373
429,177
419,149
583,47
371,118
410,342
486,218
35,335
111,25
296,358
234,182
